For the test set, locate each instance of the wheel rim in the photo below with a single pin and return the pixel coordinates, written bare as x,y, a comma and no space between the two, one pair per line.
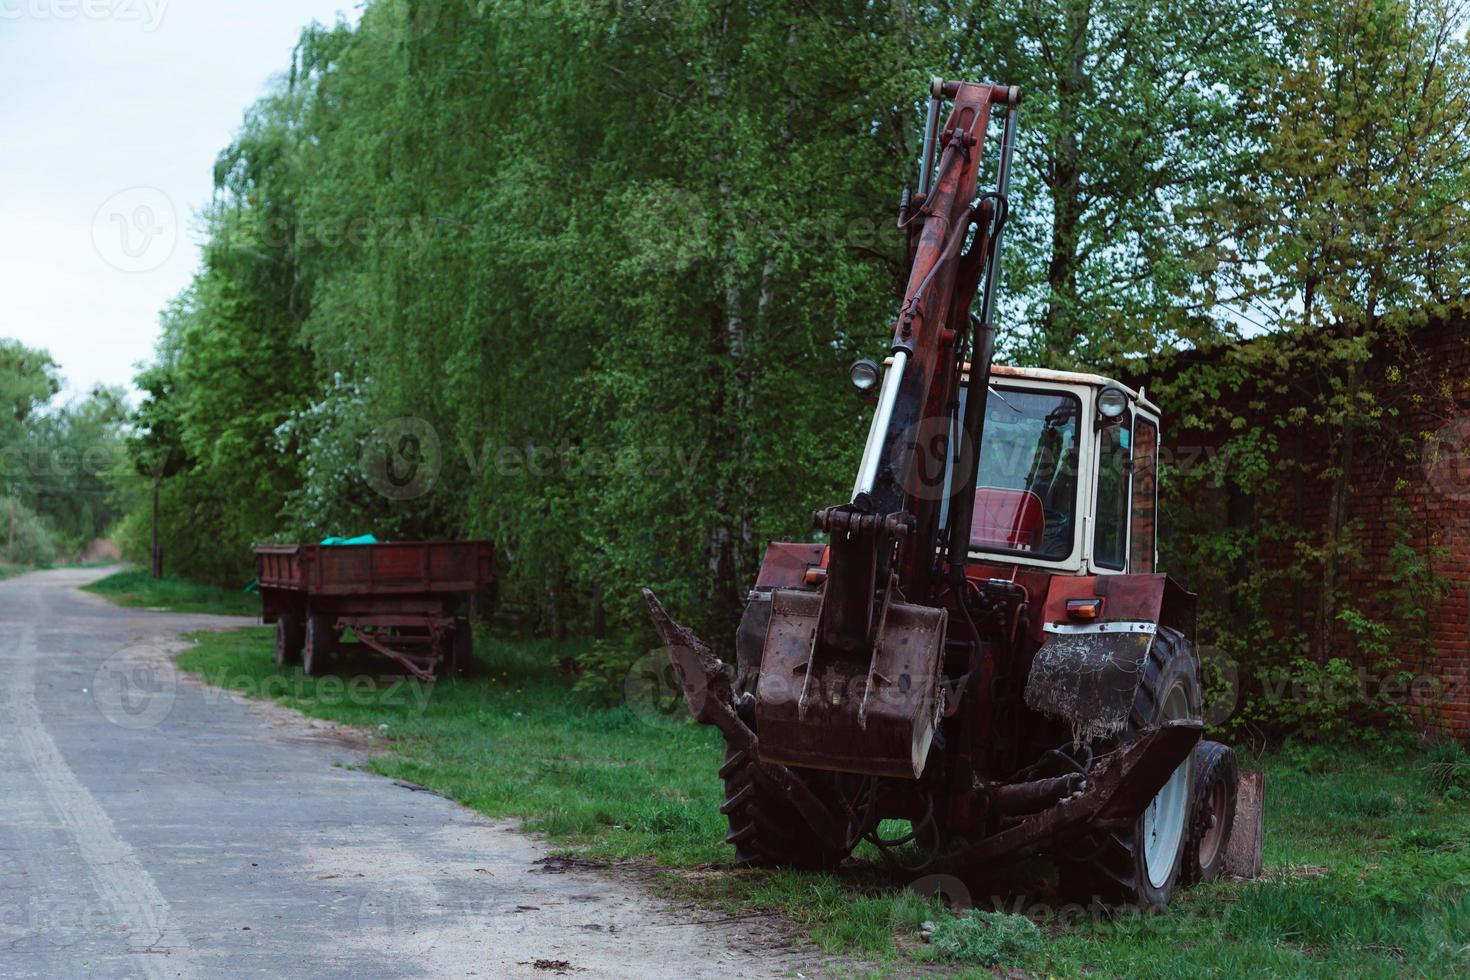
1209,843
1163,821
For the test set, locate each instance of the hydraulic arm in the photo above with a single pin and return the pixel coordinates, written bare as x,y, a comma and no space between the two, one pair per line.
851,675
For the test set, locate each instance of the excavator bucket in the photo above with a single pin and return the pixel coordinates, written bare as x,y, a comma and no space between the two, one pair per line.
822,709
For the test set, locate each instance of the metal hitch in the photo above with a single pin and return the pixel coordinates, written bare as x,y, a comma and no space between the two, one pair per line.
1118,789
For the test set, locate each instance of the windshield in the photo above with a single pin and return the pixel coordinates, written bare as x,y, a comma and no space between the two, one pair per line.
1026,490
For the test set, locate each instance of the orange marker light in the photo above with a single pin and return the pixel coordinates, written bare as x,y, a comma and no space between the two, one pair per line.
1083,608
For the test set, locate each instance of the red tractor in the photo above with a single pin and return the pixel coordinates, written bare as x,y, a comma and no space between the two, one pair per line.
979,644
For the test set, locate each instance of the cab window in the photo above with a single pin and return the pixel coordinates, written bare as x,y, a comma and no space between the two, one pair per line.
1026,482
1110,538
1145,495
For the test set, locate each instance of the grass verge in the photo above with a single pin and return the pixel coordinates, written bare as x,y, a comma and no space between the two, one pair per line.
1368,866
11,571
135,587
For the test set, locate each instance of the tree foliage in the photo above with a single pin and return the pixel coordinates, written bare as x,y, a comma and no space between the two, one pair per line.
584,277
56,460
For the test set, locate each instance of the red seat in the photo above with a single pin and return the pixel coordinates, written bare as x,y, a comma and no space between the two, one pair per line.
1009,519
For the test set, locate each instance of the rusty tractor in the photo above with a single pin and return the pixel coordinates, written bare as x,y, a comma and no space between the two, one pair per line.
979,641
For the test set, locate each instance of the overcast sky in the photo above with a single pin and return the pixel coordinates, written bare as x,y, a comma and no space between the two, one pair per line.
111,115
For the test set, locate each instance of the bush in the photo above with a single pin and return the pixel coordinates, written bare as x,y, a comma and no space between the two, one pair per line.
1332,701
1449,771
603,670
24,537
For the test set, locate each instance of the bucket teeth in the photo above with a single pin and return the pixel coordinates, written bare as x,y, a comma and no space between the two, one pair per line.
738,799
732,764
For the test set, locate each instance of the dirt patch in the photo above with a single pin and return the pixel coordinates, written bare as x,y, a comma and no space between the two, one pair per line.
494,891
556,865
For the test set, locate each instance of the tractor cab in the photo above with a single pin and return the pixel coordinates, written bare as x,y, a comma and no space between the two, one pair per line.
1067,475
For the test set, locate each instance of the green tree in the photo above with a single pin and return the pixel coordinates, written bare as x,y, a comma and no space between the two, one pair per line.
1357,233
1135,123
28,381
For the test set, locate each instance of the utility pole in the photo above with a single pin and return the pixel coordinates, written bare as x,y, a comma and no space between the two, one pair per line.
157,545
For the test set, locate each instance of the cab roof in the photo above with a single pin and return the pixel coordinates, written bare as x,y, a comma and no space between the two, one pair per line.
1059,377
1068,377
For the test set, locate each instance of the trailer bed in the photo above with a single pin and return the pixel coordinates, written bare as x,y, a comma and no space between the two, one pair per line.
407,600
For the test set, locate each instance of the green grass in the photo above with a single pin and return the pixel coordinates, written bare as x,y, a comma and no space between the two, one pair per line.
137,588
1368,865
11,571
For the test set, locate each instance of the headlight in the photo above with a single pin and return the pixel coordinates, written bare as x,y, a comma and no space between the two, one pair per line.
864,374
1112,403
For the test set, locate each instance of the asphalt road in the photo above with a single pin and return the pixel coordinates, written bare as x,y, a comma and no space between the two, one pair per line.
151,826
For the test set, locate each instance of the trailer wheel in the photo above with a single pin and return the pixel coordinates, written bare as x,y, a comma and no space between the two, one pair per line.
290,638
461,648
1142,865
1211,812
320,640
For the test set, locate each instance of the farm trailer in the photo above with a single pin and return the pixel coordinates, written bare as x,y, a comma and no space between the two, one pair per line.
407,600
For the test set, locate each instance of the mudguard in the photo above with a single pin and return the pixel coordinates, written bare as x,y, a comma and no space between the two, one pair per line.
1088,675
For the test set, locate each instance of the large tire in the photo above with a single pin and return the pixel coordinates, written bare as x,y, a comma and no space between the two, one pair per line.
765,829
1211,811
1142,865
290,638
320,640
461,656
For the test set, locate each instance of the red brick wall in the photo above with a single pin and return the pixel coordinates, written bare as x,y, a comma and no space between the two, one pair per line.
1431,390
1437,490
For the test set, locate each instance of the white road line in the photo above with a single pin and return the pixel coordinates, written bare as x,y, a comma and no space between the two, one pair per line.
124,886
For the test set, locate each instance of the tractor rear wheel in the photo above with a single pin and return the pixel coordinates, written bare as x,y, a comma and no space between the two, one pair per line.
1142,865
320,639
1212,811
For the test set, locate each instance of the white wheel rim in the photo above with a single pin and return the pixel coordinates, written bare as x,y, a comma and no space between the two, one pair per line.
1163,821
